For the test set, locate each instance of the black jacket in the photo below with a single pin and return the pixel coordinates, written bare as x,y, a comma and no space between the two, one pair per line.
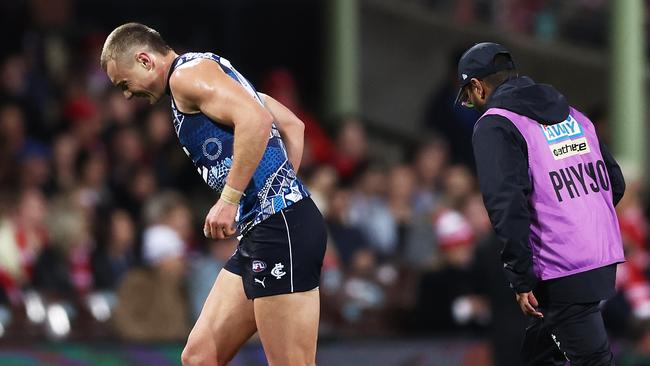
501,155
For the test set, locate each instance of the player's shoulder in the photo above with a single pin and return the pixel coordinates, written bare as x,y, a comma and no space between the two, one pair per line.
196,57
192,67
189,65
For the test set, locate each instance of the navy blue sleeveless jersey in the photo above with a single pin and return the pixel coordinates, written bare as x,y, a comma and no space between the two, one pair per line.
209,144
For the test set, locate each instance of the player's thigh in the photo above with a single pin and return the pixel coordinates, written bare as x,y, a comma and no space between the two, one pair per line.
226,322
288,327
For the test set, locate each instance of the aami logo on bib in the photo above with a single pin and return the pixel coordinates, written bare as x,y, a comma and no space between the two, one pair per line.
569,129
566,139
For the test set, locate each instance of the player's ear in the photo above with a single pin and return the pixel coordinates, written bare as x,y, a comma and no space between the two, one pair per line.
144,60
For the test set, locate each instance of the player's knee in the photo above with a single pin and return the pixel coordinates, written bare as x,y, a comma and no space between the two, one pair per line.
191,356
200,354
188,357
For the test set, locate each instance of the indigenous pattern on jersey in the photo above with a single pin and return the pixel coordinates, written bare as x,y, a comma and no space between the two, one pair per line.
209,144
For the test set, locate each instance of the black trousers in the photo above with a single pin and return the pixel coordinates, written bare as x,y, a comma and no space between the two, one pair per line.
573,332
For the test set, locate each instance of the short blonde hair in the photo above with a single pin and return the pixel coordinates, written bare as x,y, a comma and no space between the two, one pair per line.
124,37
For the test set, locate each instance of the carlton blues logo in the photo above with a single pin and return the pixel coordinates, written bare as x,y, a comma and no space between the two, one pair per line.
258,266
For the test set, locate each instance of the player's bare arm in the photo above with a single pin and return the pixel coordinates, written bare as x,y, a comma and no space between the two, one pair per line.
201,86
291,128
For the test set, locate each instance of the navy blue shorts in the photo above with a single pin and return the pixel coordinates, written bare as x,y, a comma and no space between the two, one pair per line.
282,254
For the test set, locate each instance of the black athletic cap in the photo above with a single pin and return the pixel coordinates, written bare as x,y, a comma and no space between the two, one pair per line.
478,62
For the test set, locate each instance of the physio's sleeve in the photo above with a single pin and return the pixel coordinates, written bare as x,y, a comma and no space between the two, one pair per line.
615,174
502,168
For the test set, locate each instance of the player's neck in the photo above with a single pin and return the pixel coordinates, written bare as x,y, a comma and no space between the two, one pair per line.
166,64
167,61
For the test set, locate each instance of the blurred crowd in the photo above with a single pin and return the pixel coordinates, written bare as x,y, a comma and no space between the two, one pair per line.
101,216
582,22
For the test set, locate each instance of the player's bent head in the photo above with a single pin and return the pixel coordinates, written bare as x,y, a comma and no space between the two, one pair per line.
132,56
129,36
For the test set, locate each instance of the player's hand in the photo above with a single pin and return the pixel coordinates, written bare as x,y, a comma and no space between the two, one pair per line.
528,304
220,221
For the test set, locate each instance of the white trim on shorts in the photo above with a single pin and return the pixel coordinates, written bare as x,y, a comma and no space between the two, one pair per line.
290,254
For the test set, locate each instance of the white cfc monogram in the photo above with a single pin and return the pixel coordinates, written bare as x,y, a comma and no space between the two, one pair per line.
277,271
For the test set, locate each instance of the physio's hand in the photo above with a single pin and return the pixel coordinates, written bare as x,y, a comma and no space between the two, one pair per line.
220,221
528,304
